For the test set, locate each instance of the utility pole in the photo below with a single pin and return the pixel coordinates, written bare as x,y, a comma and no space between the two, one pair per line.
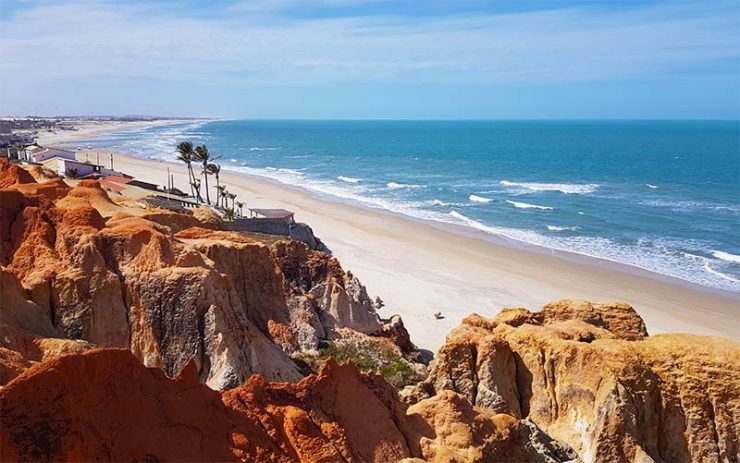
169,186
111,161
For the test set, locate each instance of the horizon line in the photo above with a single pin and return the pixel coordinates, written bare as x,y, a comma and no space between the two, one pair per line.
370,119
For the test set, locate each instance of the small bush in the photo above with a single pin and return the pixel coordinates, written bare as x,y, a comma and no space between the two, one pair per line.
373,356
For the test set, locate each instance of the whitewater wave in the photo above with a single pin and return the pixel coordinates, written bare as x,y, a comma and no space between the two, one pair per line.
285,170
479,199
651,186
660,259
707,264
402,186
559,228
258,148
567,188
438,202
726,256
349,179
528,206
473,223
234,160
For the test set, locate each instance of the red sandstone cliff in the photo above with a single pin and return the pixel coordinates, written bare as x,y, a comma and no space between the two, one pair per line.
114,275
123,411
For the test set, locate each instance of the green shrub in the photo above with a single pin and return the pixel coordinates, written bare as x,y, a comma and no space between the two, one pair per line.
373,357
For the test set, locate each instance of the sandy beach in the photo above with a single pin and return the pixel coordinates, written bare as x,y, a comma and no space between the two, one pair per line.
419,268
85,129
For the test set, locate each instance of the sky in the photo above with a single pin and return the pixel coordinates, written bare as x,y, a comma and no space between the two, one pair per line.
372,59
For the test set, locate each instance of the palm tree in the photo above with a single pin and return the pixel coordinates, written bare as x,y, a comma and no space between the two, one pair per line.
187,155
220,199
204,156
215,169
232,196
240,205
224,196
229,214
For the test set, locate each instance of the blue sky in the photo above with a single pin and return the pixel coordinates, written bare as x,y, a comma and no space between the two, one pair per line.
358,59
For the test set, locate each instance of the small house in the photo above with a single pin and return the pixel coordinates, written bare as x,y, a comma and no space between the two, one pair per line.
41,154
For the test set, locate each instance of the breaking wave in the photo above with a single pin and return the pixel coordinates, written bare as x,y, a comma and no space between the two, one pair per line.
402,186
349,179
567,188
528,206
479,199
726,256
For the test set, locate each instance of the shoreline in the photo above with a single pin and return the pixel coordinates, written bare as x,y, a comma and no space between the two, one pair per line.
420,266
94,128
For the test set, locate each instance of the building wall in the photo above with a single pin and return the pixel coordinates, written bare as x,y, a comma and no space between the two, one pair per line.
293,230
48,154
82,168
260,225
105,172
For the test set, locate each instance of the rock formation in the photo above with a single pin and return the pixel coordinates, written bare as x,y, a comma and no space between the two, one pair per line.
168,286
124,411
590,376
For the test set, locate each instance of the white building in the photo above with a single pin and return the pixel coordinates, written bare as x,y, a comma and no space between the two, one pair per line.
41,154
78,169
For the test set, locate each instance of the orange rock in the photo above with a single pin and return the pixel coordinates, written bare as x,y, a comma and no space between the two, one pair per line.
589,376
123,411
12,174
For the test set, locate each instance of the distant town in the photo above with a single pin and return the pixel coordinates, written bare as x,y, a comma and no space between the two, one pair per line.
23,130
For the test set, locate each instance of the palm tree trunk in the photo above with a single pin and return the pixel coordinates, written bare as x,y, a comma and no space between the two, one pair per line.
217,190
190,180
205,174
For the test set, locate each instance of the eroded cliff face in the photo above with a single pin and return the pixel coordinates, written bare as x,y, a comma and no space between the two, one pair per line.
589,376
124,411
114,275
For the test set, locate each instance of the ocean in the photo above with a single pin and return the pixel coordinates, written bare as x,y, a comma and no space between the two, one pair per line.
660,195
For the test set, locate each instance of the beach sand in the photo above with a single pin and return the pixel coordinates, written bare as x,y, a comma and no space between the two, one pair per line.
419,268
86,129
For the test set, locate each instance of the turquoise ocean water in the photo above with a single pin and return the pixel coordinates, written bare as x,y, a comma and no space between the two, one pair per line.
664,196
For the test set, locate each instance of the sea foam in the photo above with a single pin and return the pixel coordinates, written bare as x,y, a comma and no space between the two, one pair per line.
567,188
528,206
401,186
726,256
349,179
479,199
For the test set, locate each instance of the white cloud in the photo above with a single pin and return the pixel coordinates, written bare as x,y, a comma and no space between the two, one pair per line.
90,40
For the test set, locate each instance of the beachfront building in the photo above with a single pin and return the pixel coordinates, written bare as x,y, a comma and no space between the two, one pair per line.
35,153
78,169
